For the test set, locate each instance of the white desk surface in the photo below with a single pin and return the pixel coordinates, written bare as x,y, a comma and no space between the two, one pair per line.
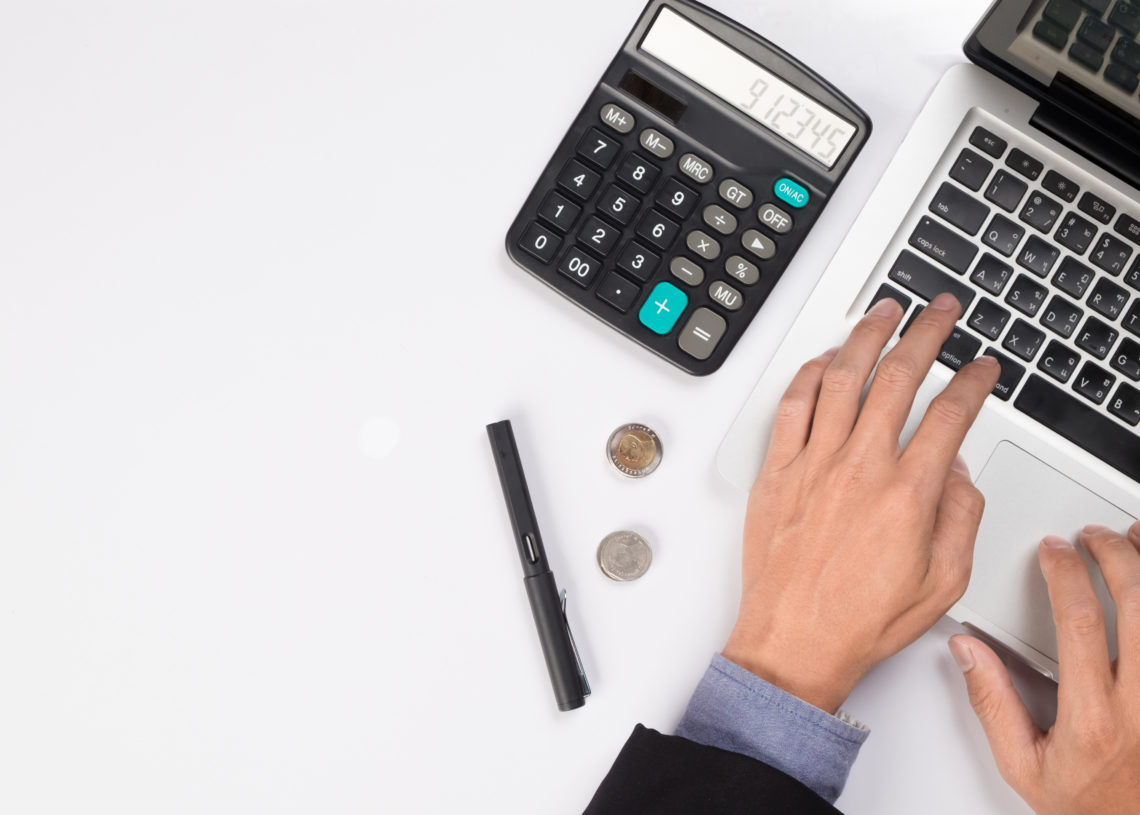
255,315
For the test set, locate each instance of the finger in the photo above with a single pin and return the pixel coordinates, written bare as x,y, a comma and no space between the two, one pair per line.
843,381
1009,729
1120,565
947,420
903,369
1082,650
794,413
952,541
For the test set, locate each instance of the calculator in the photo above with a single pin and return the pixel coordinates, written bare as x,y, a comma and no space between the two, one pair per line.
689,179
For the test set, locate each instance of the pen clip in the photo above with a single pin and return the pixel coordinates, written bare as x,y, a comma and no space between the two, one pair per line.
570,636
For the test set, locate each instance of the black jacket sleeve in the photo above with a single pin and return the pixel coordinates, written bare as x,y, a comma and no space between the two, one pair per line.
669,775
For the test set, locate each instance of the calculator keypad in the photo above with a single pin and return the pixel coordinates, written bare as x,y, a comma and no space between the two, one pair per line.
641,229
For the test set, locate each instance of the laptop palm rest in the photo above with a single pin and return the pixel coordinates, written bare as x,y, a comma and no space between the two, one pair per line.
1006,589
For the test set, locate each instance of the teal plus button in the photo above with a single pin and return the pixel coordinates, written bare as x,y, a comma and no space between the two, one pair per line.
663,308
792,193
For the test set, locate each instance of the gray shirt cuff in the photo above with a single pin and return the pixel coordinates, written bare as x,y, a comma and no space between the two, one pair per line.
734,709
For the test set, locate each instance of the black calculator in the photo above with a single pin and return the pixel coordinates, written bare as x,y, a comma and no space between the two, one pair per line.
687,182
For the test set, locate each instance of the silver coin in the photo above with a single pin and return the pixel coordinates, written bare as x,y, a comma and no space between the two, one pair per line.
624,556
634,450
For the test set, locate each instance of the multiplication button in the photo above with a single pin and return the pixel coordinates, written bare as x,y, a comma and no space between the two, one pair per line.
703,245
702,333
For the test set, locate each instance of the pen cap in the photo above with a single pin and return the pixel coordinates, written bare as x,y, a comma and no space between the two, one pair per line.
562,662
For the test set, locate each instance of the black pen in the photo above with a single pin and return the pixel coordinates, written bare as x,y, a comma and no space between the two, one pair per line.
547,606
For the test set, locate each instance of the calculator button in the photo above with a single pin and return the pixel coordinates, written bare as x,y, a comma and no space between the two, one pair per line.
598,148
702,333
657,229
759,244
791,193
540,242
656,142
637,173
614,117
599,236
663,308
726,296
578,179
735,193
579,267
744,271
618,204
687,271
638,261
775,219
677,198
719,219
618,292
559,211
695,168
703,245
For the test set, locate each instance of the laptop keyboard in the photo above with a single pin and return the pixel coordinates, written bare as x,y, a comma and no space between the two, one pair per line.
1099,35
1048,273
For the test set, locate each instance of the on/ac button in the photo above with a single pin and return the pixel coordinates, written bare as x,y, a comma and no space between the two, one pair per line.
791,193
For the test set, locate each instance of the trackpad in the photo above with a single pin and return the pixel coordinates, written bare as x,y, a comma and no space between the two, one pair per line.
1026,500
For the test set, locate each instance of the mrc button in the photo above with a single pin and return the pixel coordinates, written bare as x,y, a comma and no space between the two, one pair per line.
791,193
695,168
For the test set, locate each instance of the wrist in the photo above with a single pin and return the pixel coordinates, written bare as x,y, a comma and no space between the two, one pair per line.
797,672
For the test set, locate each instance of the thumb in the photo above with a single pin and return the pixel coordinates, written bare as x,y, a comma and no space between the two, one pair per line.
1010,730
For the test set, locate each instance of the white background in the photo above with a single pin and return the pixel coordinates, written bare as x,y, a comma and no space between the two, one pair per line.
255,313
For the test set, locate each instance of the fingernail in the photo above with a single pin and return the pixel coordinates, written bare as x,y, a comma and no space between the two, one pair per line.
946,302
887,307
1092,529
985,360
959,465
1054,542
962,654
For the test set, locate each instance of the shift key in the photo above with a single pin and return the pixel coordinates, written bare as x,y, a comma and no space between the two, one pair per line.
916,275
933,239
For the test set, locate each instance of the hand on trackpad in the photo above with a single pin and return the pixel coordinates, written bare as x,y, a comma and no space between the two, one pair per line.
1026,500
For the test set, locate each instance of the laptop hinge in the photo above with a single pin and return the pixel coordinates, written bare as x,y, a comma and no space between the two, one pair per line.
1098,141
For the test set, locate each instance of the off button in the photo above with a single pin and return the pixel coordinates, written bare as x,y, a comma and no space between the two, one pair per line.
791,193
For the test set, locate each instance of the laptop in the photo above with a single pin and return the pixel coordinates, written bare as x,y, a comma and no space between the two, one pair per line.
1018,190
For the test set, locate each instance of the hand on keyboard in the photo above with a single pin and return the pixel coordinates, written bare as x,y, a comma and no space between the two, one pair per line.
1089,761
854,547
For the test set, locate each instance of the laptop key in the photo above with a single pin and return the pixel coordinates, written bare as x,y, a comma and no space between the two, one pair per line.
1133,276
1060,186
1006,190
1125,403
1126,17
1098,209
1129,227
1075,233
959,208
919,277
1038,256
947,247
1026,295
1121,77
991,274
971,170
1096,34
1023,339
1127,54
893,293
987,142
1061,316
1041,212
1097,7
1111,254
1126,359
1096,337
1051,34
1011,373
1003,235
988,318
1087,56
1081,424
1058,361
959,348
1073,278
1024,163
1094,383
1131,321
1064,13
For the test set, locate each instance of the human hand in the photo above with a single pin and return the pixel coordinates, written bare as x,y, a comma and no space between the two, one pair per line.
1089,760
853,547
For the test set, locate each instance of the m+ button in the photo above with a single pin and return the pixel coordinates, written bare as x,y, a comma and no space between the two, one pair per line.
663,308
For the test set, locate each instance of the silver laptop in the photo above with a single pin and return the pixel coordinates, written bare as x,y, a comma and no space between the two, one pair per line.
1018,190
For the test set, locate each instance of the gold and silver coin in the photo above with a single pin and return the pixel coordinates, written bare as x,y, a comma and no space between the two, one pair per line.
624,556
634,450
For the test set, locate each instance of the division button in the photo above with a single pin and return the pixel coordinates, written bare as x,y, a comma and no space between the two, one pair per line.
726,296
695,168
775,219
759,244
616,118
686,271
663,308
701,244
720,219
656,142
618,292
735,193
744,271
702,333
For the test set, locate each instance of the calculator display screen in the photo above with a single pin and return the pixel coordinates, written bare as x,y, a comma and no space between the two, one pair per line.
789,113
